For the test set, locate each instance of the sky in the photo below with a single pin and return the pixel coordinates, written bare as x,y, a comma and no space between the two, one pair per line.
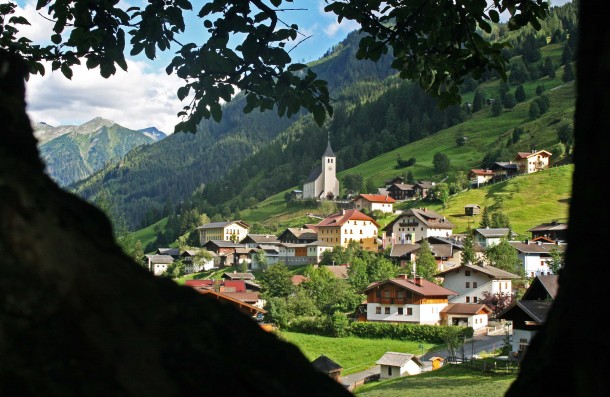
145,96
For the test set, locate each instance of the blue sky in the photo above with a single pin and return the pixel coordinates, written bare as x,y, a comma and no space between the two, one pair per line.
145,95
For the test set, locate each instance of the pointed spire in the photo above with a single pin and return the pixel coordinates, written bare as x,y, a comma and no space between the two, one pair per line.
329,152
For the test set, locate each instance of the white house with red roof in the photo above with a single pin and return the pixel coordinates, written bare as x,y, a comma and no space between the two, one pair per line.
534,161
340,228
408,300
374,202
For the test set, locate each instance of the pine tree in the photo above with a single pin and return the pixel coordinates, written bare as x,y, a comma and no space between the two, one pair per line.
568,73
520,94
478,101
468,254
485,219
425,264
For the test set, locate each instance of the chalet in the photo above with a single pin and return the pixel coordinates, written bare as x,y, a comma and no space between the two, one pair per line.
342,227
471,282
529,314
374,202
503,170
396,179
474,315
406,300
395,365
226,252
253,240
488,237
555,231
401,191
195,264
534,161
414,224
421,188
479,177
301,235
447,252
158,264
234,231
536,256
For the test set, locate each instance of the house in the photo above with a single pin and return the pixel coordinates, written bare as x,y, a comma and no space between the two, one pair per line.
406,300
470,282
421,188
295,254
301,235
529,314
474,315
447,252
328,366
472,209
253,311
316,249
395,365
396,179
226,252
272,255
253,240
488,237
479,177
374,202
534,161
233,231
322,183
339,271
555,231
342,227
503,170
536,256
401,191
192,264
414,224
173,252
237,276
158,264
296,194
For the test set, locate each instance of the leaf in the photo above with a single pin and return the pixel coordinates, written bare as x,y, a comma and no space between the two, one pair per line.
495,17
67,71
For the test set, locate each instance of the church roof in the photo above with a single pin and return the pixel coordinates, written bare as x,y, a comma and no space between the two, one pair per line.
329,152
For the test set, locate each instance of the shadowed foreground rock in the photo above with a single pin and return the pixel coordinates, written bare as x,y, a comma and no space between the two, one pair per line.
79,318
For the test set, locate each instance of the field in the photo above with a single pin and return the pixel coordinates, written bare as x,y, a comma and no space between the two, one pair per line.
448,381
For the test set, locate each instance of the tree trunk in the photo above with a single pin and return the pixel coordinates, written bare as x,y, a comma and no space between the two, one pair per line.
80,318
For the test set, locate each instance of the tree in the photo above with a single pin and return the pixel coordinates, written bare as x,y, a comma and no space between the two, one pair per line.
425,264
260,259
534,111
568,73
505,257
353,182
478,101
276,281
468,253
485,219
410,179
520,94
496,108
441,163
557,260
497,302
549,68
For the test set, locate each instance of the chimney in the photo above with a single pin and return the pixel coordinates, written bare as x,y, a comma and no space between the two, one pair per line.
417,280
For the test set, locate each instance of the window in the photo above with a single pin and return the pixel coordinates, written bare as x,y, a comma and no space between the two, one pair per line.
400,310
378,310
400,294
386,293
475,299
467,299
378,293
474,284
409,311
387,310
467,284
467,273
389,371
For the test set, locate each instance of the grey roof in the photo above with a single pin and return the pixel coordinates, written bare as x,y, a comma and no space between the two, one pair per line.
314,175
424,184
428,217
238,276
261,238
507,165
549,226
493,232
329,151
224,244
491,271
395,359
215,225
168,251
536,310
542,284
536,248
160,258
399,250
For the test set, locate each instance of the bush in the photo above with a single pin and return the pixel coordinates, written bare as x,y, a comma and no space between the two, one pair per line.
410,332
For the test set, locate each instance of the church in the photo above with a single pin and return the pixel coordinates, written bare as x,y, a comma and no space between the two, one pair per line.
322,183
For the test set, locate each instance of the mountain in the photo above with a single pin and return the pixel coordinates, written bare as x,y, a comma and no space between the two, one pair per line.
153,133
74,152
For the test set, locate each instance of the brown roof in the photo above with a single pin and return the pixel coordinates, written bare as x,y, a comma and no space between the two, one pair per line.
525,155
428,217
326,365
427,288
298,279
399,250
375,198
494,272
338,271
243,306
238,276
248,297
536,248
466,308
339,218
482,172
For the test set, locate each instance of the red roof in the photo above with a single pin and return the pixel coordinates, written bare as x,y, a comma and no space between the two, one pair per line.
524,155
298,279
482,172
339,218
376,198
199,283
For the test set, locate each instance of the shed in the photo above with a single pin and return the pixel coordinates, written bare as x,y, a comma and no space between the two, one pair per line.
328,366
472,209
394,365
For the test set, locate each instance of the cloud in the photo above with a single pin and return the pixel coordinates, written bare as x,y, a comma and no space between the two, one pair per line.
135,99
333,27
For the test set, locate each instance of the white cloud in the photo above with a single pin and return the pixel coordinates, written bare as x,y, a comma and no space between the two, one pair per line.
135,99
333,27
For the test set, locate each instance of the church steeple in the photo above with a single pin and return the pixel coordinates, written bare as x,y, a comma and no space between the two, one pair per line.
329,152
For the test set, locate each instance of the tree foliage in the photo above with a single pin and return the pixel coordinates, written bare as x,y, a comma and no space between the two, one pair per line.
425,264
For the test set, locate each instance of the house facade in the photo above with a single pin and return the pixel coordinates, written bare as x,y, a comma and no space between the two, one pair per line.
374,202
322,183
401,191
158,264
415,224
471,282
301,235
406,300
536,257
534,161
488,237
340,228
554,230
471,315
395,365
194,265
234,231
480,177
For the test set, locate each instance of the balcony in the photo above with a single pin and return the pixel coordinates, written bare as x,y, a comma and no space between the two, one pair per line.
408,224
392,301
